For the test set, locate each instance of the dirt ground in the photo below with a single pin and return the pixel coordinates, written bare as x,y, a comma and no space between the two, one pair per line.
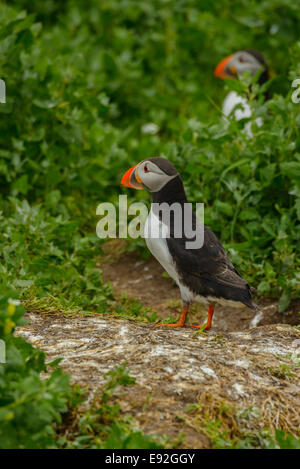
177,368
144,280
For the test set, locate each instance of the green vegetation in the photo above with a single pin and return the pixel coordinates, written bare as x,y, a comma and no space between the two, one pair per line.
81,83
102,426
228,427
82,80
28,404
283,371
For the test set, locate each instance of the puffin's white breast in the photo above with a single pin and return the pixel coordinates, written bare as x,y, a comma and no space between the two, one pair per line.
232,100
155,233
244,111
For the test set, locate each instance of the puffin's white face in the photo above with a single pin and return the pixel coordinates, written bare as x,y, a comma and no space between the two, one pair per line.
237,64
243,62
149,175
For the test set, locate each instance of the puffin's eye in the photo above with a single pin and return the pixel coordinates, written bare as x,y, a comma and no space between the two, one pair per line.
146,170
241,58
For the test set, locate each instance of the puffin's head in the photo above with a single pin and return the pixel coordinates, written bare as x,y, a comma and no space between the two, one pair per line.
151,174
241,62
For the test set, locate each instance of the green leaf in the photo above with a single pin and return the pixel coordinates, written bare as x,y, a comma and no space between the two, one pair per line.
284,302
21,185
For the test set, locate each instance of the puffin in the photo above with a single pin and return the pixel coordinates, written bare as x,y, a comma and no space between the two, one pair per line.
203,273
231,67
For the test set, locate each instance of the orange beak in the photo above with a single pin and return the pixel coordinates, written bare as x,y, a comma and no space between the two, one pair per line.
131,179
220,70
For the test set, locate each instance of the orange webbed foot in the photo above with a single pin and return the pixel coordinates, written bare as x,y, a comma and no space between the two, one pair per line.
177,324
206,326
181,320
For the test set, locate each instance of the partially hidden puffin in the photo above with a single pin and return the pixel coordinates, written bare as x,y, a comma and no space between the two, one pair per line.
203,274
232,67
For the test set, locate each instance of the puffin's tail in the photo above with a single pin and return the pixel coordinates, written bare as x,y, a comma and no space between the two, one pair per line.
248,299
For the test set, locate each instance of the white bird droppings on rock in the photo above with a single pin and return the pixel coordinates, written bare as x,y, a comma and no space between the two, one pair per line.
241,363
208,371
239,389
256,320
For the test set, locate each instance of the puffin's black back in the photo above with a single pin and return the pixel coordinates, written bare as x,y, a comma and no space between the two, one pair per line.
208,271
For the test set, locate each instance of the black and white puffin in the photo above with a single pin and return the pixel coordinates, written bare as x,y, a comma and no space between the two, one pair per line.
232,67
205,274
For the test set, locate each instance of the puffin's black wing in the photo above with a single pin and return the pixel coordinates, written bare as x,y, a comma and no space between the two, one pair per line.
208,271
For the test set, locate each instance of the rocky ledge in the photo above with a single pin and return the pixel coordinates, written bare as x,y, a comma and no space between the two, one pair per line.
174,368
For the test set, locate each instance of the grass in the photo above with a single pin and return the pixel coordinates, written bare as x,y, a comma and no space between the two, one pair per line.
229,427
283,371
102,425
130,308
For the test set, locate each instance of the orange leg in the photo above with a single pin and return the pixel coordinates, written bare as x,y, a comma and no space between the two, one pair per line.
181,321
209,319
